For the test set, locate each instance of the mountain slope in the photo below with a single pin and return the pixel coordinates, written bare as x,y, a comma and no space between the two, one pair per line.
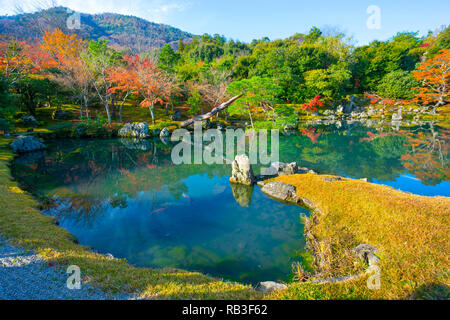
120,30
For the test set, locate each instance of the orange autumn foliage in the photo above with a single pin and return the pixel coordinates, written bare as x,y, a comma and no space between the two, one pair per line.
433,74
143,78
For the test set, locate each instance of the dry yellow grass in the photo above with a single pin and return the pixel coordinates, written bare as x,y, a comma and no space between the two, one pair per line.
410,231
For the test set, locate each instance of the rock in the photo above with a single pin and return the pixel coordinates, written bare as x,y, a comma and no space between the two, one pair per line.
29,121
176,116
281,191
261,183
242,172
332,179
290,127
282,169
397,116
24,144
371,111
269,286
367,252
242,194
363,115
340,108
135,130
305,170
61,115
164,133
136,144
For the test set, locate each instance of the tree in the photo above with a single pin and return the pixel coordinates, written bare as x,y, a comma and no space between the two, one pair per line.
257,93
99,59
194,102
333,82
64,53
433,75
313,104
167,57
145,79
122,83
213,84
15,63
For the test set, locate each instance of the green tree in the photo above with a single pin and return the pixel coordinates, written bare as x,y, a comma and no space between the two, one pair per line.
194,102
100,59
168,57
257,93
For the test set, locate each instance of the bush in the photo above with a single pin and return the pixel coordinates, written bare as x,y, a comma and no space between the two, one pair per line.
397,85
87,129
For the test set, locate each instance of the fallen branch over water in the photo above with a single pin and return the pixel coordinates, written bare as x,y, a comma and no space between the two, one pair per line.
212,113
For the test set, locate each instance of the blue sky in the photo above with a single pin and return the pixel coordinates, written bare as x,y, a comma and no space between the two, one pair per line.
253,19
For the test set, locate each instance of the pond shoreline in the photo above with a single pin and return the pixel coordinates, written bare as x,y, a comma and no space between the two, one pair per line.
300,290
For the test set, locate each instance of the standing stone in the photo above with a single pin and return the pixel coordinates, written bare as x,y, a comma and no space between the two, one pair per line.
242,172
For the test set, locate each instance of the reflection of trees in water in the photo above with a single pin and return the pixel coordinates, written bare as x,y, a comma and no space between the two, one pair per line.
78,209
103,168
427,157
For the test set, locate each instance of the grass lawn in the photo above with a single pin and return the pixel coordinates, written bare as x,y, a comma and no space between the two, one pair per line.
410,231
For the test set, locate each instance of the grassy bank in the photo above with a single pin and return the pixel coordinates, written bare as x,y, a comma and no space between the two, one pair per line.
23,223
410,231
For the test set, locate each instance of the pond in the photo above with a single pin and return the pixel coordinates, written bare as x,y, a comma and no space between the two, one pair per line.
128,199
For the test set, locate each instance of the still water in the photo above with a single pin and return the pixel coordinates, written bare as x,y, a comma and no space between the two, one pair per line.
128,198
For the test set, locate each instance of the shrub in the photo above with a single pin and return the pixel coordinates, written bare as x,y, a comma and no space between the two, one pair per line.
397,85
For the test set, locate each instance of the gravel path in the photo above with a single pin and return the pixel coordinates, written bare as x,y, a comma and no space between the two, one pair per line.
25,276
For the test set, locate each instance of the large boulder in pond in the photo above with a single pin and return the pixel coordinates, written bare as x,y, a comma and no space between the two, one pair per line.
242,172
281,191
23,144
135,130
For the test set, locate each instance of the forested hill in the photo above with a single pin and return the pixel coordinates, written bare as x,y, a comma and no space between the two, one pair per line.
121,31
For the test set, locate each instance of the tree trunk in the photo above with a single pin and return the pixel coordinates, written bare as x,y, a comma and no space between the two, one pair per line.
251,118
210,114
151,112
107,111
113,108
120,112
